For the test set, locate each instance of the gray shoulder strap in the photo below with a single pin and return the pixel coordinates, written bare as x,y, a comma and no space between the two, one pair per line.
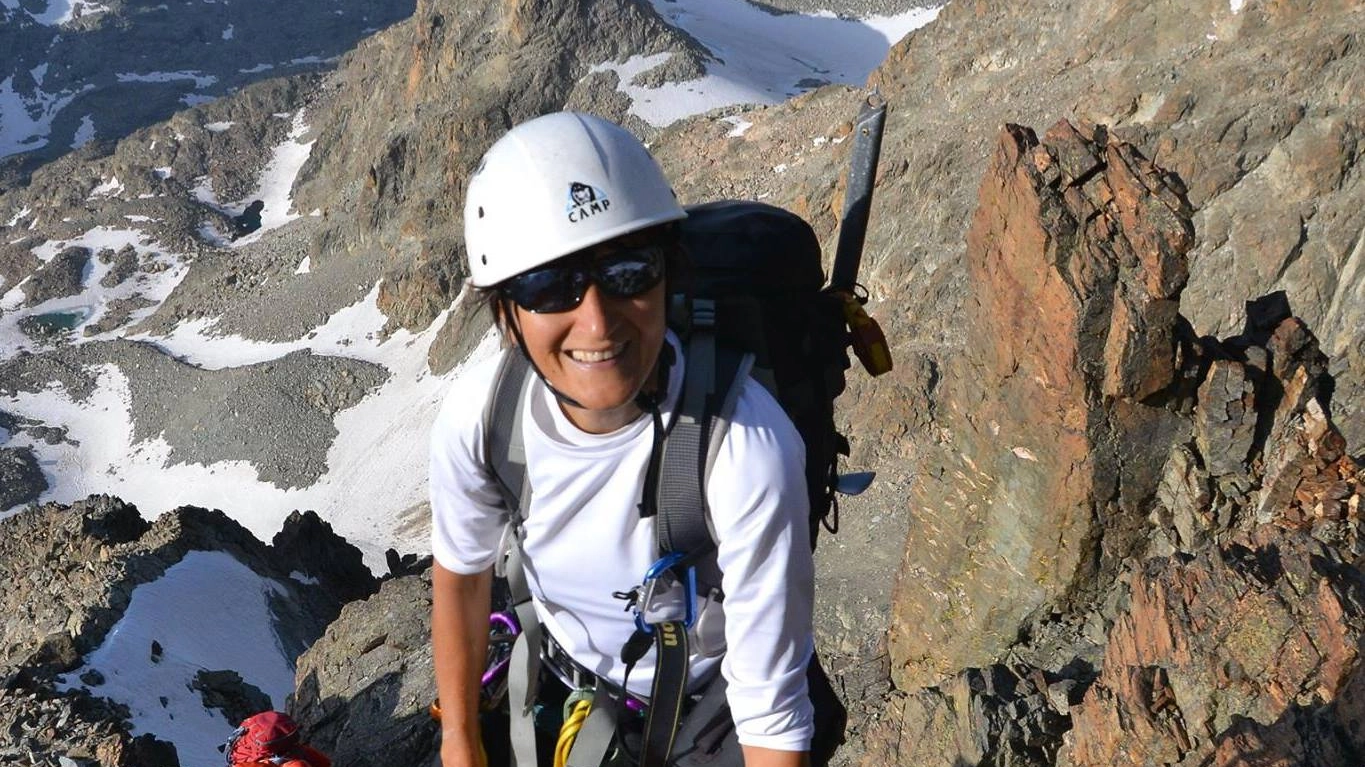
504,447
712,383
505,457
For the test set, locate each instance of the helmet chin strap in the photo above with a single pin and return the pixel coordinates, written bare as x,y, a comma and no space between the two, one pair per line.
647,402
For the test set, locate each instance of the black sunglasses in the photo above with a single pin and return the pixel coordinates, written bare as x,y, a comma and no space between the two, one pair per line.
560,285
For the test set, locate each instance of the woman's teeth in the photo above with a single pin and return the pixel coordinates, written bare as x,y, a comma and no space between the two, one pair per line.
581,355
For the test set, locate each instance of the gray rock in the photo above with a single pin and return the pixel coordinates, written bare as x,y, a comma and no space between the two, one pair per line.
62,276
116,314
21,478
122,266
225,690
365,687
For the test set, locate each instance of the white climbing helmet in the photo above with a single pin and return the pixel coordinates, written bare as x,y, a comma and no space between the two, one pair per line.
557,184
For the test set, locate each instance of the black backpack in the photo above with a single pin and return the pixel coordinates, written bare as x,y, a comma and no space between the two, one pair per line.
757,287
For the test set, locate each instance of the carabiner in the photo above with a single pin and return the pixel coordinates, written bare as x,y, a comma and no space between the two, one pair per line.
502,632
656,573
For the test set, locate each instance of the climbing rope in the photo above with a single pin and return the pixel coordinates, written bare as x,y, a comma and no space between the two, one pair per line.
576,709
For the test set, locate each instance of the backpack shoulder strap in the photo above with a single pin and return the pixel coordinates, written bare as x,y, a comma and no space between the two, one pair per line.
504,446
505,457
710,389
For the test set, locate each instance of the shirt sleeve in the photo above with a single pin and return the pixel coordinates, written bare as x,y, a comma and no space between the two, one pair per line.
466,507
759,506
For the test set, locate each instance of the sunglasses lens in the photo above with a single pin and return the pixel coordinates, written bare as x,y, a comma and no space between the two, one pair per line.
629,273
560,287
552,289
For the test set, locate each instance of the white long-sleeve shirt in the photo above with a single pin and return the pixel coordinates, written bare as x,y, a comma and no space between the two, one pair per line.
584,539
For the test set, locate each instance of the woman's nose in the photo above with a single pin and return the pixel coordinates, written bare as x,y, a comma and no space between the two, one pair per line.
592,313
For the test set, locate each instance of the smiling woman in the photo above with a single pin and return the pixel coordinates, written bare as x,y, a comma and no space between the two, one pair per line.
571,229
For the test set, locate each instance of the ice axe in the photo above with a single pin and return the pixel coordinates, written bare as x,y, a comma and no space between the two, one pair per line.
868,341
866,337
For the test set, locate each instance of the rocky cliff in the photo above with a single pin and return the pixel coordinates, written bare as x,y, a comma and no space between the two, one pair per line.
71,574
1133,544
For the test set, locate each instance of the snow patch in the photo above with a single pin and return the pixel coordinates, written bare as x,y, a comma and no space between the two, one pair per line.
106,188
228,606
1236,5
741,126
200,79
85,132
276,184
218,127
26,120
20,216
305,266
62,11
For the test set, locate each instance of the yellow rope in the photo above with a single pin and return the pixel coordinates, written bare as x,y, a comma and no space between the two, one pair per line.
569,732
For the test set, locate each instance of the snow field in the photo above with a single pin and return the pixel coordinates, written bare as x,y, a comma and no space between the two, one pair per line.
207,612
761,58
273,187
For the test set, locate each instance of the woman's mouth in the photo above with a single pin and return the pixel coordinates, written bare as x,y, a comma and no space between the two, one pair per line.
585,355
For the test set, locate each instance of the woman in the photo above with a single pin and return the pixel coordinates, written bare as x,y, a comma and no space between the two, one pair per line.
570,228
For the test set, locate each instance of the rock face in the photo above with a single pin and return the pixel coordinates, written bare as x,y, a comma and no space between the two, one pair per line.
1136,545
1077,259
21,479
365,687
70,573
1249,648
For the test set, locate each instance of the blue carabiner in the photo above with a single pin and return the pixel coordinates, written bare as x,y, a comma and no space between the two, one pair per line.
656,571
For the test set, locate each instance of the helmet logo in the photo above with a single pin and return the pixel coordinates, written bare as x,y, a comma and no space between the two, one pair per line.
585,201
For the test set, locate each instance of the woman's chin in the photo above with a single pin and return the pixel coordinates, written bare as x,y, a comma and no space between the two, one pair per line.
598,415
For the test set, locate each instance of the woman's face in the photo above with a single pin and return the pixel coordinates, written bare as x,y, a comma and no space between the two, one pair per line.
601,353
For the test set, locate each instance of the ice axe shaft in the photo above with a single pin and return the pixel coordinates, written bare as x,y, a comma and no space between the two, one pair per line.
866,336
862,176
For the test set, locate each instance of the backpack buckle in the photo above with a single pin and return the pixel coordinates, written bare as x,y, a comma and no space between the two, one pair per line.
666,595
703,314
